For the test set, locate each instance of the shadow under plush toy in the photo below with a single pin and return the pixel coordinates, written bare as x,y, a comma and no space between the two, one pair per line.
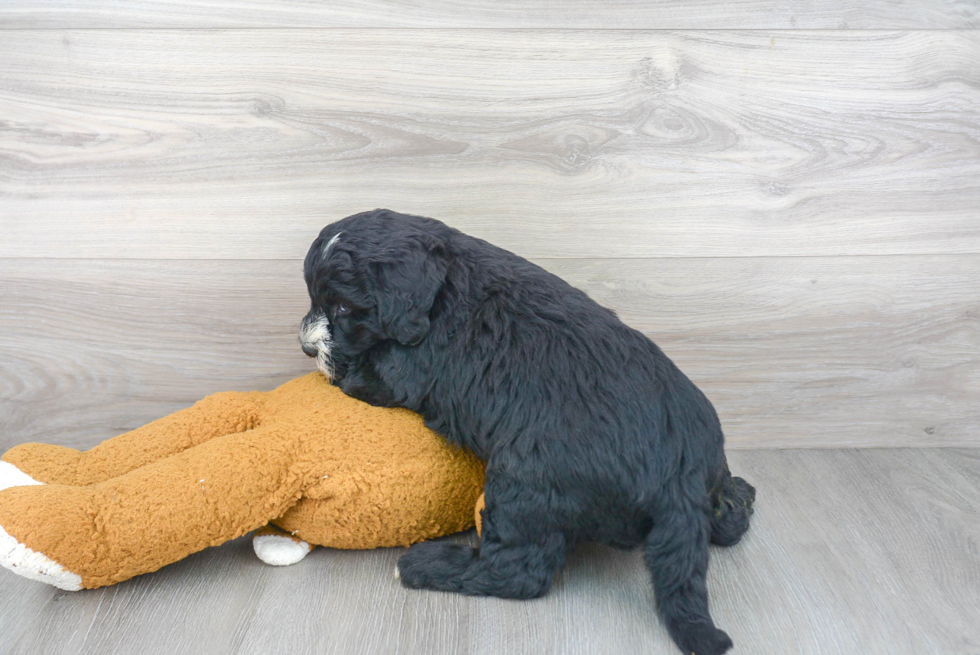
323,468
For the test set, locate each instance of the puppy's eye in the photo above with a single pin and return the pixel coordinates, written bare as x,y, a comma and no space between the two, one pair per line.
342,309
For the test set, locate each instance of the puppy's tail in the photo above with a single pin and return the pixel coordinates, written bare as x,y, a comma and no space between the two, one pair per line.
731,500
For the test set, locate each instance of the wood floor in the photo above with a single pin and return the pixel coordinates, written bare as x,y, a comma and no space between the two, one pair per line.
850,551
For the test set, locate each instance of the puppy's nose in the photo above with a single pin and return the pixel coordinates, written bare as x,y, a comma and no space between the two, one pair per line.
309,350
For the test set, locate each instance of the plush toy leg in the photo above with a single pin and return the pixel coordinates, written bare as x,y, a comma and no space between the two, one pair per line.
279,548
481,503
213,416
157,514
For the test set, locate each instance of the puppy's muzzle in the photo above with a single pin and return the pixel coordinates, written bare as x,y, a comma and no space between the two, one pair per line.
314,339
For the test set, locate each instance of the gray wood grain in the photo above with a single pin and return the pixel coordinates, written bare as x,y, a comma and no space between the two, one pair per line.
573,143
578,14
814,352
871,551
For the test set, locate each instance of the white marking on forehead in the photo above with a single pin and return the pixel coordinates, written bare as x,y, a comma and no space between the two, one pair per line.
330,244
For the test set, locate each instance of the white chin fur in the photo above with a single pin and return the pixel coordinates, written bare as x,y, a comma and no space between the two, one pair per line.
278,550
27,563
323,363
11,476
316,335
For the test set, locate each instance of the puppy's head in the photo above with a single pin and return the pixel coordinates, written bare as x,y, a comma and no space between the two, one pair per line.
371,277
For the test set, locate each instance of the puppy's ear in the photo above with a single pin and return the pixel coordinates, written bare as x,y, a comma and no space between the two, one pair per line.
407,289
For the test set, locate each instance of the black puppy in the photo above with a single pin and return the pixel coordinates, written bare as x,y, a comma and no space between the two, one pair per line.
589,431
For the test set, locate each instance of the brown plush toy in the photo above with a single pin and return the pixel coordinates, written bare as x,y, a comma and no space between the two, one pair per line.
321,467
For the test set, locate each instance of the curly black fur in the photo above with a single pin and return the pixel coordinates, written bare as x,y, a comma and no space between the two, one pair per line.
589,431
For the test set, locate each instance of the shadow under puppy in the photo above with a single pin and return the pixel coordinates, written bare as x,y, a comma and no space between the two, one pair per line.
589,431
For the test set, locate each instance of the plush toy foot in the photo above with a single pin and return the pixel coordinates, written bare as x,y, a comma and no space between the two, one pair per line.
279,548
11,476
23,561
44,462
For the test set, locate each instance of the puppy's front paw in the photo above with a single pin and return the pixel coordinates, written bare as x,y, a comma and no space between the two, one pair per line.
365,393
700,639
435,565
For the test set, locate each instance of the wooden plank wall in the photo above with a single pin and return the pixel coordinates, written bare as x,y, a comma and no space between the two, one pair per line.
789,205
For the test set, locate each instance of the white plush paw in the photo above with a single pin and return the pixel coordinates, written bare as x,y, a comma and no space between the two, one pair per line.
27,563
279,550
11,476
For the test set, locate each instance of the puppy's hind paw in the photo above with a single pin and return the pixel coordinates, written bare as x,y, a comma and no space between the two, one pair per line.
732,511
435,565
701,639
